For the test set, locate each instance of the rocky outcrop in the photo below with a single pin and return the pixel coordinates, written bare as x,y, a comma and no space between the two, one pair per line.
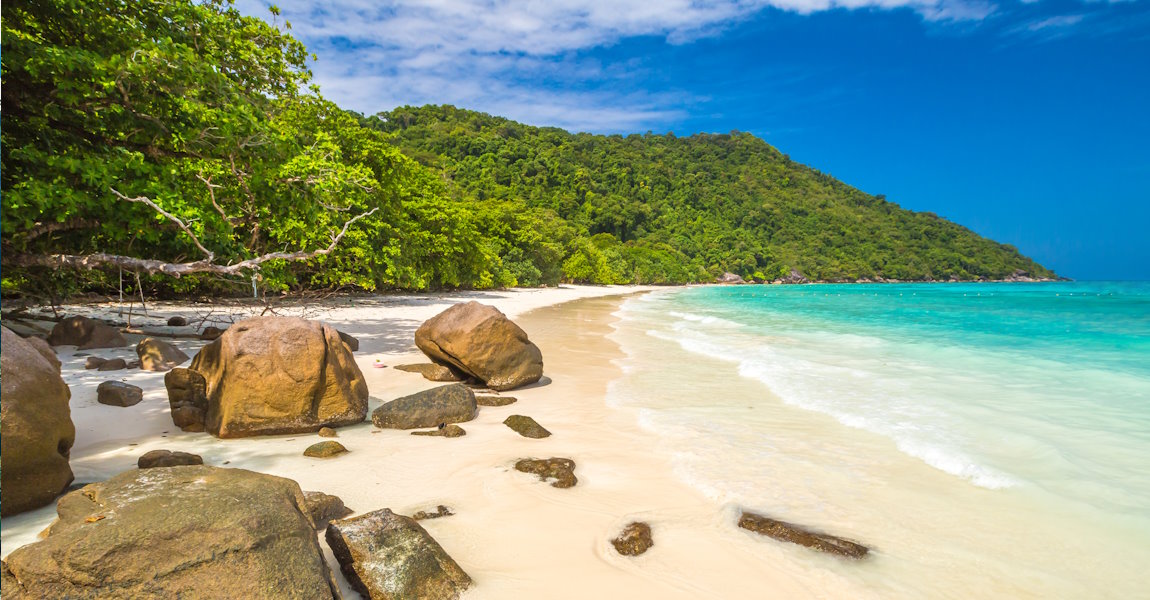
526,427
562,470
802,536
494,400
266,376
325,449
36,431
118,393
453,403
634,540
324,507
45,349
729,278
483,343
795,276
440,511
191,532
85,334
168,458
156,355
433,372
386,556
448,431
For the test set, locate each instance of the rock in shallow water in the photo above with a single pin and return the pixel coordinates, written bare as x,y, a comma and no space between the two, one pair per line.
562,470
526,427
482,342
795,534
440,511
494,400
634,540
168,458
118,393
389,556
325,449
445,404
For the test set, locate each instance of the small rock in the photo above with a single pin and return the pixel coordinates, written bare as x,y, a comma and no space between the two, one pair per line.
562,470
444,404
94,362
113,364
324,507
156,355
526,427
118,393
440,511
432,372
325,450
177,321
634,540
327,432
451,431
795,534
168,458
494,400
211,333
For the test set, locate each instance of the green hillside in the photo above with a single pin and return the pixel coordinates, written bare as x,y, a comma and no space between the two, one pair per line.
704,203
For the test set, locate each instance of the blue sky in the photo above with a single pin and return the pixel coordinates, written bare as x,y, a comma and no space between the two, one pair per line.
1028,122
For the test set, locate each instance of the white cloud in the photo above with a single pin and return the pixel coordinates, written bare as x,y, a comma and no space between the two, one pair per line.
525,59
1054,22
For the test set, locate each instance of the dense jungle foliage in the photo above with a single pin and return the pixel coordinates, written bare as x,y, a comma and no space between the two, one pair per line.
179,139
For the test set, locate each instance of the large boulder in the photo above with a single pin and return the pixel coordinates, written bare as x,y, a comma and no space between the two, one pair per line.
453,403
386,556
45,349
36,431
118,393
266,376
157,355
85,334
190,532
796,534
483,343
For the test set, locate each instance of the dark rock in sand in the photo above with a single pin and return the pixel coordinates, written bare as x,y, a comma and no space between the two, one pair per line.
795,534
350,341
634,540
156,355
36,431
433,372
482,342
451,431
526,427
94,362
324,507
113,364
211,333
562,470
118,393
390,556
327,432
85,334
41,345
440,511
269,376
453,403
494,400
324,449
177,321
168,458
191,532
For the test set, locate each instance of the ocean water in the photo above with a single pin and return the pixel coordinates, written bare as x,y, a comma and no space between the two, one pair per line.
987,440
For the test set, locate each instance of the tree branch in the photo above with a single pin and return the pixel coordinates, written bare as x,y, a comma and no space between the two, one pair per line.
145,200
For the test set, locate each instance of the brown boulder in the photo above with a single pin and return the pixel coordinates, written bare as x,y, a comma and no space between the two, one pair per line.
795,534
177,321
191,532
94,362
324,449
433,372
45,349
562,470
324,507
386,556
168,458
85,334
118,393
36,431
483,343
634,540
156,355
453,403
526,427
113,364
267,376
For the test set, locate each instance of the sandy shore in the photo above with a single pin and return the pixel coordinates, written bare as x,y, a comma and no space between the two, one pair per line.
516,536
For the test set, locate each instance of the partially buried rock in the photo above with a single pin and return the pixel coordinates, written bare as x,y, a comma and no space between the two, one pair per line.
494,400
526,427
327,432
562,470
451,431
269,376
325,449
177,321
41,345
482,342
118,393
445,404
36,431
85,334
211,333
182,532
795,534
94,362
156,355
324,507
440,511
634,540
113,364
168,458
389,556
433,372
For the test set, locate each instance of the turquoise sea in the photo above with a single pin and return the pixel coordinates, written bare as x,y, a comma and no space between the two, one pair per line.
988,439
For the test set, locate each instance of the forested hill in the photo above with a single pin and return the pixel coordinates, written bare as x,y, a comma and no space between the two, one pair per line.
667,208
